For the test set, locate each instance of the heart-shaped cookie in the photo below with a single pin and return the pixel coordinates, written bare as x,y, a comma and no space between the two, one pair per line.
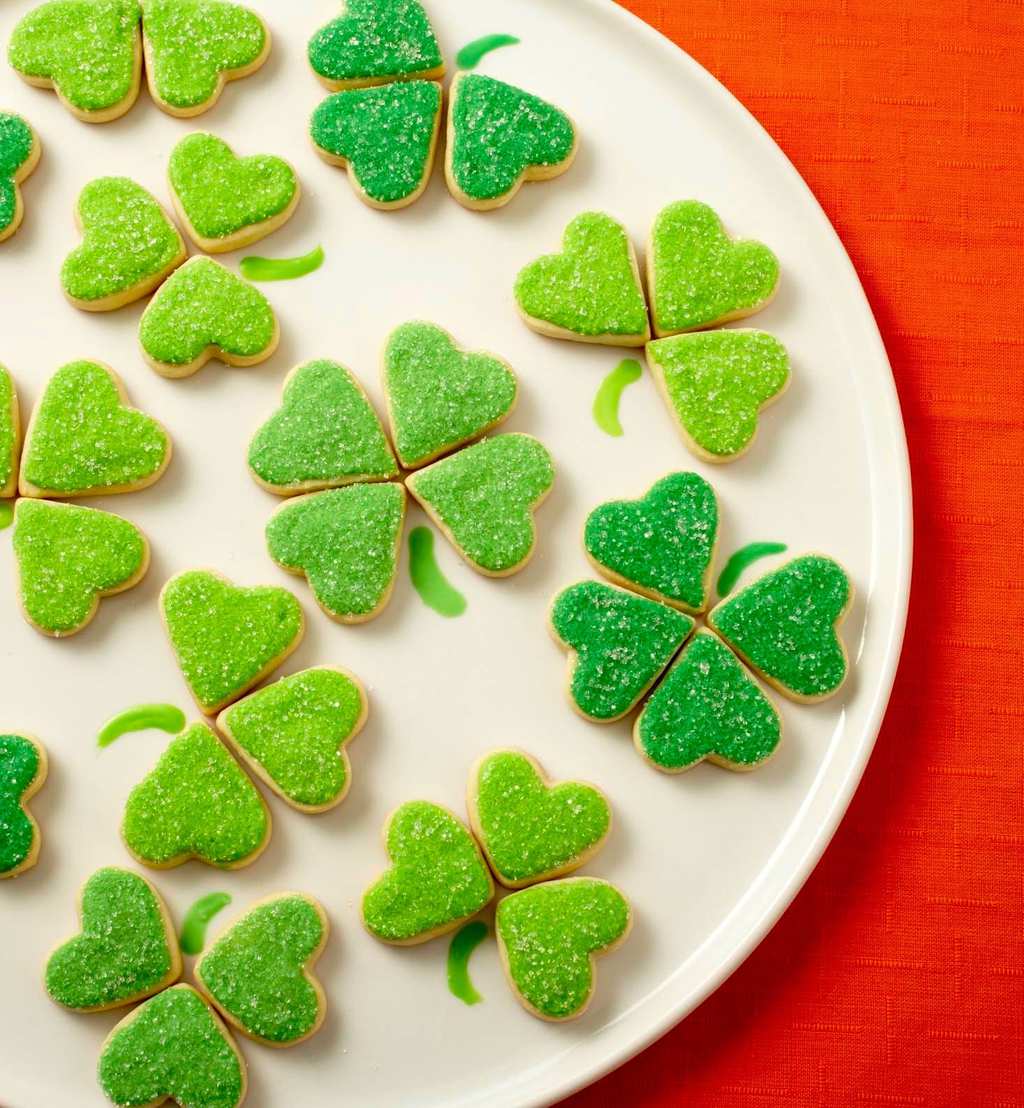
23,768
87,51
259,971
10,435
483,499
83,439
530,829
619,645
129,245
437,879
698,277
227,639
172,1047
325,434
126,949
549,937
69,558
591,292
194,47
438,396
386,136
19,155
786,626
227,202
715,383
500,136
374,42
293,734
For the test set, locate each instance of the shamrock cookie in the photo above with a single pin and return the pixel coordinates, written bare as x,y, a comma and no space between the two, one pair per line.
87,51
69,558
129,245
23,767
20,150
259,971
374,42
345,542
84,440
10,435
786,626
619,644
293,735
438,396
386,136
698,277
529,828
325,434
549,937
437,878
500,136
715,384
194,47
227,639
483,499
591,292
126,950
198,803
204,311
227,202
172,1047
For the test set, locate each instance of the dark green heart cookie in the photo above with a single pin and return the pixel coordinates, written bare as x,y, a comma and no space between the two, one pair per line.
19,155
22,773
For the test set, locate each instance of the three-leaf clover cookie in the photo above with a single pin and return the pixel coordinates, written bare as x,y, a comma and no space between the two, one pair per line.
23,767
10,434
20,150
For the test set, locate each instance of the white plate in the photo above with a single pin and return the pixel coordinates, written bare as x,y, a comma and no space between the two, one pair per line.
709,859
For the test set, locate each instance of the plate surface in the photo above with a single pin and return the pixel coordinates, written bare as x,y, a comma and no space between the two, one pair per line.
709,859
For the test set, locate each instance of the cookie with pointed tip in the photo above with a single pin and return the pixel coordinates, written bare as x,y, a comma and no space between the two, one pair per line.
20,150
23,767
10,435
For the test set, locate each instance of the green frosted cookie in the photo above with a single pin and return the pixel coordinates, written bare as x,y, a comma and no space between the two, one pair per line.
10,435
23,767
19,155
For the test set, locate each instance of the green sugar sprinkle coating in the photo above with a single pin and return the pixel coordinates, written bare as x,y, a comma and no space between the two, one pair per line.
9,429
386,134
528,830
83,439
437,879
707,707
127,240
190,43
123,951
716,382
221,193
87,48
171,1046
16,145
70,556
499,132
662,544
592,288
19,767
197,802
439,397
254,971
225,637
346,543
622,643
296,729
549,935
375,41
200,305
483,498
785,625
325,433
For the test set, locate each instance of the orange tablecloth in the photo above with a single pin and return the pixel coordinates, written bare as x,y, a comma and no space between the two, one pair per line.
897,976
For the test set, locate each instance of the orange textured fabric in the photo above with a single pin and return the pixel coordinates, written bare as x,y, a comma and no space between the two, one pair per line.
897,976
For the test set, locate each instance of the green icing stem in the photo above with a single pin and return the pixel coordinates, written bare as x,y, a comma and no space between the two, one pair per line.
429,581
606,403
463,943
470,56
6,514
193,930
742,559
164,717
255,268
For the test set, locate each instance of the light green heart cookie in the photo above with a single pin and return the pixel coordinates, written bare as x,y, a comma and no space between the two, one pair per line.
437,878
227,639
530,829
483,499
69,558
10,435
438,396
20,150
23,768
549,937
227,202
83,439
126,950
699,277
